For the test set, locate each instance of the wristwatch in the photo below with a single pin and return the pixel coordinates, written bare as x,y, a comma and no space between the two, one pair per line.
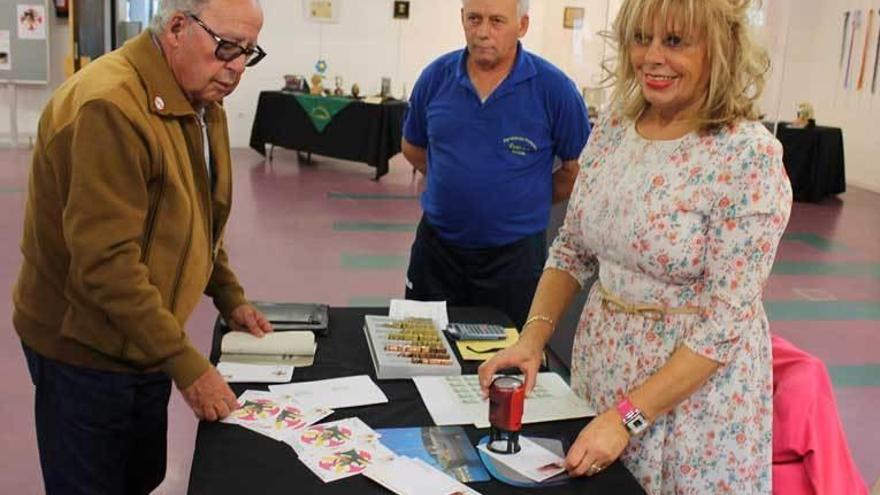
633,419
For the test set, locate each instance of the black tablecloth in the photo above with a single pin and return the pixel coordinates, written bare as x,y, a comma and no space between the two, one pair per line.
229,459
813,158
362,132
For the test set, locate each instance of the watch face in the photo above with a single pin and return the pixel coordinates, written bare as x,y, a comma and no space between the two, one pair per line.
637,424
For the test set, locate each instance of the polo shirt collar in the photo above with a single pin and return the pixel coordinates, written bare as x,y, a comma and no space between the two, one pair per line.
163,91
523,68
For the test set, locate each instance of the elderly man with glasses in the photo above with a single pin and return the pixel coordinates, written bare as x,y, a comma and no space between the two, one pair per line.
130,190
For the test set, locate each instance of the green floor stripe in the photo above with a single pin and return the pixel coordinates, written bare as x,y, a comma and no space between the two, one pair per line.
370,301
840,269
353,261
373,227
822,310
11,189
855,376
371,196
816,241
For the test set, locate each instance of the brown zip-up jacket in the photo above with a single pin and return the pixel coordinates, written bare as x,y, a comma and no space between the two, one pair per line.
123,229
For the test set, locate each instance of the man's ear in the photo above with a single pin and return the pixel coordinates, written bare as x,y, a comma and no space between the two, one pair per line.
175,27
523,25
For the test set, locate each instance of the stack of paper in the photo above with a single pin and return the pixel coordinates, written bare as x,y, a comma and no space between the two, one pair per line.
273,415
255,373
342,448
339,449
411,476
336,393
291,348
457,400
332,451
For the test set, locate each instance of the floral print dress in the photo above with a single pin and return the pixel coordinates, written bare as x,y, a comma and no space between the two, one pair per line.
689,222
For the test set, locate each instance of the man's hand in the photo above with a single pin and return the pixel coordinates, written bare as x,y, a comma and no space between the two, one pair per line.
246,318
210,397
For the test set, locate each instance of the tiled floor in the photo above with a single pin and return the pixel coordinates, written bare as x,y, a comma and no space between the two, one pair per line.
326,232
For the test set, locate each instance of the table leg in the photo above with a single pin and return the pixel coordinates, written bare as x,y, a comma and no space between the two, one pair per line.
271,151
304,158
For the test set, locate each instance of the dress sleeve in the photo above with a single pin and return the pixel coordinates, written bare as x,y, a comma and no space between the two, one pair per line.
568,252
747,220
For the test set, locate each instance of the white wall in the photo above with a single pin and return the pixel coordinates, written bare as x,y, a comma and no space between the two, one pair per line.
812,74
367,43
363,46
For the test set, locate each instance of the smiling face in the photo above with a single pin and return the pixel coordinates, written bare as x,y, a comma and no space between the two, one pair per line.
190,49
672,67
492,29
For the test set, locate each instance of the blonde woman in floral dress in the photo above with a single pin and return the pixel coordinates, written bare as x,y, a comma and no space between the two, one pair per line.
679,205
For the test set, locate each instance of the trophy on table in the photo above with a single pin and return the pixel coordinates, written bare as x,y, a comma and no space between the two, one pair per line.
385,92
317,87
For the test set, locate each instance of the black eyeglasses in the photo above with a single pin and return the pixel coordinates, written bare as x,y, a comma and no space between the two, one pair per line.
228,50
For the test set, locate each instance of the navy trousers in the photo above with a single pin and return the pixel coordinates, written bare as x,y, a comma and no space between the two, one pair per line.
99,432
503,277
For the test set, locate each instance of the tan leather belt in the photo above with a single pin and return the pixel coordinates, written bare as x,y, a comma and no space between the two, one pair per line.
616,304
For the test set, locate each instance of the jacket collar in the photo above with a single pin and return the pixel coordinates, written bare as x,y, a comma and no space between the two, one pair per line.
165,96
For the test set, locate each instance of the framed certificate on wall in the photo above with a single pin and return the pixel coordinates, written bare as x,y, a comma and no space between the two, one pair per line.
321,10
573,18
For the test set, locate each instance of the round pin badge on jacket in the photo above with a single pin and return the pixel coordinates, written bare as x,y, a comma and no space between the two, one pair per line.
159,102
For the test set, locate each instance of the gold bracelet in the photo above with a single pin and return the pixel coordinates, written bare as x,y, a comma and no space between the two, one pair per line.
545,319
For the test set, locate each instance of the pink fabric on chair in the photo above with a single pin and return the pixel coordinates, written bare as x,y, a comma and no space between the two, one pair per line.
791,479
810,452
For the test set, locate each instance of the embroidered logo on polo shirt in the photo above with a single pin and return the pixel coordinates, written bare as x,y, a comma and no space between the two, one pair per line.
519,145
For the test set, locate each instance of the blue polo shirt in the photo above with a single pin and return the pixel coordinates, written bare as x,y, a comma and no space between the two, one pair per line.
490,163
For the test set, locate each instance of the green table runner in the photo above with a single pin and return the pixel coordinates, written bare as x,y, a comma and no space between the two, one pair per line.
321,109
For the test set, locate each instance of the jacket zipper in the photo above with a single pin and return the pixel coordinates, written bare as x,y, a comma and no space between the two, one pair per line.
208,215
152,213
180,263
209,211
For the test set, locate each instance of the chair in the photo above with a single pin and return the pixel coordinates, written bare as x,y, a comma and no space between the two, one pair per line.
810,452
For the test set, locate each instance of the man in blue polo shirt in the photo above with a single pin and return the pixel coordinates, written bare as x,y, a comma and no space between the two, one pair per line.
484,125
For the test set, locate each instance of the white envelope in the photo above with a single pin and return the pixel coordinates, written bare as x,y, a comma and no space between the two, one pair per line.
255,373
334,393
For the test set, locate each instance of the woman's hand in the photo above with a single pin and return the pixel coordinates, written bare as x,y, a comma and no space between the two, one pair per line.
598,445
526,355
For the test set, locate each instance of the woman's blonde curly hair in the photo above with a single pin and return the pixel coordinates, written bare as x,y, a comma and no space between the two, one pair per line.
737,65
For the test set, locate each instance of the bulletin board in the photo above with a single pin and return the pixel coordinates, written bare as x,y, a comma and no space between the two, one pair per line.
24,41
